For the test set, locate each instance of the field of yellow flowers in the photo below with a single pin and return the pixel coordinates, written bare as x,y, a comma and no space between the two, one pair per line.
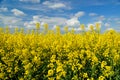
51,55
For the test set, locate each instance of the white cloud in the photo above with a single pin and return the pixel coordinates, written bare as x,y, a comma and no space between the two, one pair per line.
36,18
54,20
54,27
80,14
42,23
73,22
3,9
10,21
30,24
54,5
58,5
77,29
12,26
101,18
17,12
32,1
107,25
92,14
50,20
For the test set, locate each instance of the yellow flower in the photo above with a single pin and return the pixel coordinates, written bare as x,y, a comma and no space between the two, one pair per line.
50,72
66,29
63,73
85,75
2,75
101,78
24,52
21,79
98,25
59,68
51,65
36,60
46,26
82,26
51,78
79,66
91,27
58,77
52,59
28,66
63,54
108,68
58,30
92,79
103,64
94,59
116,57
27,72
33,52
37,25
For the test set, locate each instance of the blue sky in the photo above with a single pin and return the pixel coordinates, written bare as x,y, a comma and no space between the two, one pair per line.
25,13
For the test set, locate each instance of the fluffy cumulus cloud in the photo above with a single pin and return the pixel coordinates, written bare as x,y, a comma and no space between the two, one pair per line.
17,12
3,9
10,21
32,1
54,5
73,22
107,25
92,14
36,18
54,20
80,14
31,24
45,19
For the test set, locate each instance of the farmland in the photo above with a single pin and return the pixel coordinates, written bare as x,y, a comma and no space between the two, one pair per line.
52,55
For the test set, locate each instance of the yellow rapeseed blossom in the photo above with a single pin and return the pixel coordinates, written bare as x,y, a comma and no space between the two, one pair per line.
101,78
91,27
52,59
85,75
82,26
51,78
103,64
59,68
50,72
55,55
37,25
2,75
